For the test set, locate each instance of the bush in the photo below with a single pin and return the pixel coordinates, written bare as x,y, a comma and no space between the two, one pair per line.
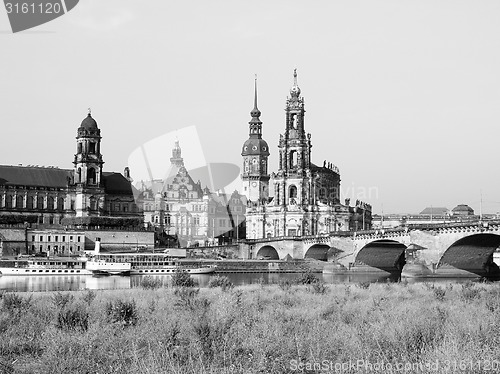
319,287
181,278
73,318
150,283
123,312
220,281
307,278
89,296
470,291
363,285
60,300
439,293
15,303
285,284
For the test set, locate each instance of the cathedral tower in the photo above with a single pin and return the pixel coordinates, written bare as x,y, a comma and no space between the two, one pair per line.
255,152
292,185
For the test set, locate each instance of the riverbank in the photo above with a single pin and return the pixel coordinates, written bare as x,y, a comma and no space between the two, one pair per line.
252,329
261,266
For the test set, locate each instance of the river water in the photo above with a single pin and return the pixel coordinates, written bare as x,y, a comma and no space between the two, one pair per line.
83,282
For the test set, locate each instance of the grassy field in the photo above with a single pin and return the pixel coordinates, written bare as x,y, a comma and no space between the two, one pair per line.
254,329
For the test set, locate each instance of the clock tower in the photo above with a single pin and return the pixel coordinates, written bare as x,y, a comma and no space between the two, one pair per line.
255,152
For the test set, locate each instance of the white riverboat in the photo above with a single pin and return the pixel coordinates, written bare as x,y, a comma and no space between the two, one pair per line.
143,263
43,266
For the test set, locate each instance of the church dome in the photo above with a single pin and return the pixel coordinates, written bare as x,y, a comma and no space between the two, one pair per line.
89,123
255,146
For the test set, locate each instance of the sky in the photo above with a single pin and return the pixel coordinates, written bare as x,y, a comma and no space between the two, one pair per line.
402,96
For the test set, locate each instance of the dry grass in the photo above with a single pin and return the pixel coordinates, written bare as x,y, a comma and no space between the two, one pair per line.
250,329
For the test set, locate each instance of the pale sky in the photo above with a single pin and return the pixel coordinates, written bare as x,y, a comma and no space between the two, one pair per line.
403,96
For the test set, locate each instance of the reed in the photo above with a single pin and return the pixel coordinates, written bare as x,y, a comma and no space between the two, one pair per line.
252,329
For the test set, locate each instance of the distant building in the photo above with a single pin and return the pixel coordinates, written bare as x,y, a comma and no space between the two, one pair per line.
179,207
463,210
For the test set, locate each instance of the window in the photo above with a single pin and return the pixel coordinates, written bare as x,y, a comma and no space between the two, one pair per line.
222,222
48,238
8,202
63,238
19,202
39,202
78,239
51,220
41,238
79,148
91,147
30,203
196,220
32,238
60,203
71,238
91,176
57,238
50,203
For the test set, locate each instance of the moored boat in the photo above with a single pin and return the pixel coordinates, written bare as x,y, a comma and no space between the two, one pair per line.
43,266
143,263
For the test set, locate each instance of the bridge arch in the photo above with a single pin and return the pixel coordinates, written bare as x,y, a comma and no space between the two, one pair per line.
384,254
268,252
472,253
318,252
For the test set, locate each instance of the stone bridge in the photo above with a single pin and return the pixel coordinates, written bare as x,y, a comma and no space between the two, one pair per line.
423,248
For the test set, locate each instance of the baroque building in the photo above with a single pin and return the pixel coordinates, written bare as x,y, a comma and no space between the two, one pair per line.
85,197
178,207
300,198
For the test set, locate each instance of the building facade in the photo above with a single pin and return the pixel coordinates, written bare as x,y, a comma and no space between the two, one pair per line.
300,198
82,198
180,207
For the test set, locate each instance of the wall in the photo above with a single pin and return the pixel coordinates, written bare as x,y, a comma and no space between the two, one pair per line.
120,240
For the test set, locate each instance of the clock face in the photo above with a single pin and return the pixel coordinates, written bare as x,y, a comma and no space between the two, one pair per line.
254,184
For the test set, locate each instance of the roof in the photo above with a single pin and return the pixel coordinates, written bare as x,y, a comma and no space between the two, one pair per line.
435,210
89,123
34,176
117,184
52,177
463,208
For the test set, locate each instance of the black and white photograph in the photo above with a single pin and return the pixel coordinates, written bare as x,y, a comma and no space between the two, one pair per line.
251,187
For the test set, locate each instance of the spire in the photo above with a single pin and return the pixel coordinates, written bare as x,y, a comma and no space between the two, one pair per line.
295,90
176,158
255,113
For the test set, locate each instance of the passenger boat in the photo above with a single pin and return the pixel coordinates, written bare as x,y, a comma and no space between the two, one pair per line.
43,266
143,263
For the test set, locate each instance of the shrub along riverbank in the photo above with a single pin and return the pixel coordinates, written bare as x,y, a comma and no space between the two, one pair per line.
252,329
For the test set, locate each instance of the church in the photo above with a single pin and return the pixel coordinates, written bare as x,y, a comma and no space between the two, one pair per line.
300,198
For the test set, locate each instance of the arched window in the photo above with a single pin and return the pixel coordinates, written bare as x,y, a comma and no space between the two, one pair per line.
91,147
292,192
277,189
293,159
30,203
50,203
39,202
79,172
19,201
263,168
79,148
91,176
60,203
8,201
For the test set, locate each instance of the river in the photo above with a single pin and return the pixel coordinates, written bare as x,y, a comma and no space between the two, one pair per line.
83,282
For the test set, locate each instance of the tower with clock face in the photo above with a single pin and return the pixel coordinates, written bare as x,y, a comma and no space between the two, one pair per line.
255,152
